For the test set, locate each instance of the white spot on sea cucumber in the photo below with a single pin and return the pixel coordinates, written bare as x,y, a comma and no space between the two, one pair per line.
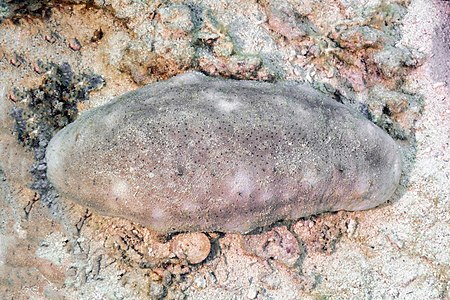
158,214
120,188
228,106
190,206
223,102
111,119
242,184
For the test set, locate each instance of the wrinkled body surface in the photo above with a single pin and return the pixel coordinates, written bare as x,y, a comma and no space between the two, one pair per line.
200,154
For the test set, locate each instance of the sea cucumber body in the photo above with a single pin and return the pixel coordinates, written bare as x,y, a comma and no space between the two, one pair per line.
200,154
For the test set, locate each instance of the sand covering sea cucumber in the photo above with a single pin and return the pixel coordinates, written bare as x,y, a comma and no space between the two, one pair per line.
195,153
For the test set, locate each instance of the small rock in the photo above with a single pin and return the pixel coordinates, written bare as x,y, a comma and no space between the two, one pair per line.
224,47
252,292
157,291
211,277
50,38
167,278
279,244
97,35
74,44
194,247
392,61
200,282
351,228
320,234
16,60
155,276
39,67
394,111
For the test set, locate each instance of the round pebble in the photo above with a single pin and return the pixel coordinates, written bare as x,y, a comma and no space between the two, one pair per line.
194,247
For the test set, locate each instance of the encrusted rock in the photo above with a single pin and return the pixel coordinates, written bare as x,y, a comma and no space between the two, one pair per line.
279,244
392,61
358,37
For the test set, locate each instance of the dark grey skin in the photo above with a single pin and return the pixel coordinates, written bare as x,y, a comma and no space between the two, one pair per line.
200,154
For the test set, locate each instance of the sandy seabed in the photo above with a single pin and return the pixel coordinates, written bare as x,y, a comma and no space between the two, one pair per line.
397,251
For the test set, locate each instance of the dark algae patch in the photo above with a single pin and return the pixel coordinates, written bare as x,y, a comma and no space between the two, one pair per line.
40,112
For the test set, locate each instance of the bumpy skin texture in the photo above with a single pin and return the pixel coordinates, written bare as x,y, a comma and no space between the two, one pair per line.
200,154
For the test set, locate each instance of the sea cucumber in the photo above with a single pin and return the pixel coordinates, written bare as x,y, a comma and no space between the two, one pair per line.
195,153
